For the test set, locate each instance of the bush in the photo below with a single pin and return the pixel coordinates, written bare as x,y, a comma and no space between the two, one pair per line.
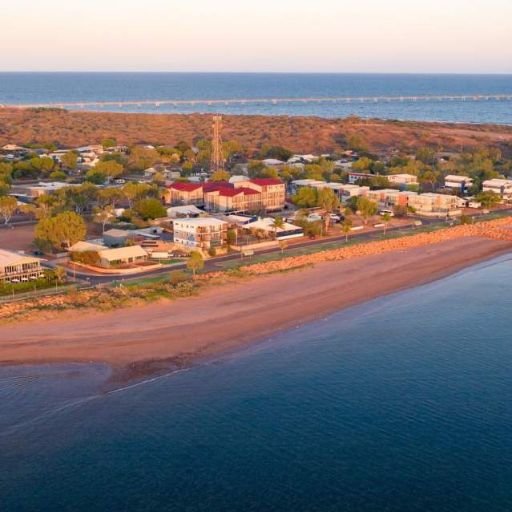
177,276
212,252
86,257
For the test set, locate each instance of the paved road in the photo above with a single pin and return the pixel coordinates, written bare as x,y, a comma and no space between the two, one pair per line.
213,264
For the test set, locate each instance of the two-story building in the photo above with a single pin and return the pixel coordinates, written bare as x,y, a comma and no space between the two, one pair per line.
458,183
201,233
183,193
500,186
16,268
431,203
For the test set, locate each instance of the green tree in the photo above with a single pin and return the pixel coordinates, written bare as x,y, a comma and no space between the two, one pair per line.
134,191
306,197
277,223
59,274
62,230
429,176
108,142
110,196
142,157
346,227
386,219
328,201
95,176
58,175
220,175
150,209
109,168
196,262
366,207
488,199
4,188
104,215
69,160
8,205
231,237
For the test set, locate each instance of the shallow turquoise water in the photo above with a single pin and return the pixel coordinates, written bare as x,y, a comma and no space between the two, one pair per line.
402,404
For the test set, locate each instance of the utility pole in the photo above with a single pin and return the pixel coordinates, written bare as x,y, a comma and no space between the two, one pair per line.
217,159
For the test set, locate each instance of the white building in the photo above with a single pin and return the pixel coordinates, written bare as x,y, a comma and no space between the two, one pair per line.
458,182
499,186
202,233
403,179
286,232
15,268
344,190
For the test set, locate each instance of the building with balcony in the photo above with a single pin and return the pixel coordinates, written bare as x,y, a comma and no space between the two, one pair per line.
16,268
201,233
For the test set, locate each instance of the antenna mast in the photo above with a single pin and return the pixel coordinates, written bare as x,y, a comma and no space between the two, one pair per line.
217,160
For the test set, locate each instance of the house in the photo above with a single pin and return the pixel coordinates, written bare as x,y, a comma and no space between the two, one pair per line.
43,188
184,193
391,197
15,268
302,159
355,177
120,237
133,254
501,187
111,258
459,183
286,232
431,203
201,233
272,162
343,190
403,179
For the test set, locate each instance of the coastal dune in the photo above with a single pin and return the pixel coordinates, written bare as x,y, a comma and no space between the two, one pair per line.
224,317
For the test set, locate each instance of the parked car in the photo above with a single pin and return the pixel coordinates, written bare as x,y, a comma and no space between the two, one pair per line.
387,212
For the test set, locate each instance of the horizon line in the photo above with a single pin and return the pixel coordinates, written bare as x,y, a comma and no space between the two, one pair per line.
440,73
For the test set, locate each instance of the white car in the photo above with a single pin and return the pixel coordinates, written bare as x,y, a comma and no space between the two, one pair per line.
314,217
387,212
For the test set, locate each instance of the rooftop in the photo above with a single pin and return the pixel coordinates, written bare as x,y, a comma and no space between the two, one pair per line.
200,222
14,258
184,186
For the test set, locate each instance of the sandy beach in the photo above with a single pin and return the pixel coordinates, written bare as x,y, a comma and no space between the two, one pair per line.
144,339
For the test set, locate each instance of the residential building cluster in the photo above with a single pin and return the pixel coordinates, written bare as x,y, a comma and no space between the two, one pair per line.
239,194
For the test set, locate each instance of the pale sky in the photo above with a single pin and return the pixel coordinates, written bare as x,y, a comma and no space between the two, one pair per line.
446,36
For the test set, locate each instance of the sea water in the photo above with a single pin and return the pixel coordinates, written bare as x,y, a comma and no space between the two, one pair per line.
36,88
401,404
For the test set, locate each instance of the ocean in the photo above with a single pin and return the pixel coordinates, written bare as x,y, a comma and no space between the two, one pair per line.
401,404
453,98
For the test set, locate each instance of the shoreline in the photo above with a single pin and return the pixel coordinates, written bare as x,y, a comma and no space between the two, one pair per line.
152,339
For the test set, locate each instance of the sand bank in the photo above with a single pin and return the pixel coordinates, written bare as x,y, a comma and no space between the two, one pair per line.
224,317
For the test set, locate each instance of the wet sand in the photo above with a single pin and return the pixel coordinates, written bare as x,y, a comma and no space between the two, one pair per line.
151,338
